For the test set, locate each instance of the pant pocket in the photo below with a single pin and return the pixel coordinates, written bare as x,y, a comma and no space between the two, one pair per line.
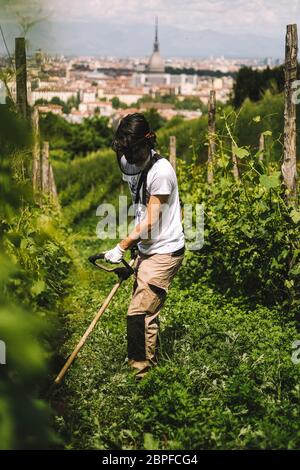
159,297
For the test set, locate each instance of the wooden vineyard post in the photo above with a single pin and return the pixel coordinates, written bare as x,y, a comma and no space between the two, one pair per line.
262,146
36,162
48,181
21,76
235,169
211,135
52,186
173,151
289,168
45,168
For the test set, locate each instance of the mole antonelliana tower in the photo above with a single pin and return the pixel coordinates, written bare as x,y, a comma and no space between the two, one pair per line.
156,62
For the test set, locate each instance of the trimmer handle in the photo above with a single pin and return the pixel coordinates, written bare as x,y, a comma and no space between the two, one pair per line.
122,272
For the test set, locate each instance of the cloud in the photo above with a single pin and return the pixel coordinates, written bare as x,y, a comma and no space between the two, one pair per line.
259,16
264,16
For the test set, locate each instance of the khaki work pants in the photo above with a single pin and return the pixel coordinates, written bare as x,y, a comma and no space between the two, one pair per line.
153,277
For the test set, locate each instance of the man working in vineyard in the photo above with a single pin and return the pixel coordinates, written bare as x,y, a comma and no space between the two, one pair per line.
158,234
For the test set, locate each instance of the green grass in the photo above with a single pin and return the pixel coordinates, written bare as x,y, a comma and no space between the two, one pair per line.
225,379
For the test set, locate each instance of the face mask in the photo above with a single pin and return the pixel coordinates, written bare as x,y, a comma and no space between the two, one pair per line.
132,169
133,159
132,156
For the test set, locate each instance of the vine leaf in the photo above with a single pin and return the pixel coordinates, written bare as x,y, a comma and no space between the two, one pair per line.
295,216
240,152
272,181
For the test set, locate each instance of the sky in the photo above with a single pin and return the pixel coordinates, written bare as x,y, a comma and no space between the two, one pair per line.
260,18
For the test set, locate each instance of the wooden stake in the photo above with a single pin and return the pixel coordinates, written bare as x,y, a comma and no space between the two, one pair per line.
21,78
173,151
45,168
289,168
235,169
52,185
211,135
262,147
36,163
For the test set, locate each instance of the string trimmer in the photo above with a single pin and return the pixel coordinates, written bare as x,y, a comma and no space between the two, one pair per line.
123,273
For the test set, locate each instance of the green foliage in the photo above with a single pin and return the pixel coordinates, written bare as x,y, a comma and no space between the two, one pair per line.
85,182
156,121
93,134
225,379
170,99
190,137
76,139
30,293
189,102
34,242
72,102
252,83
200,73
249,122
56,130
117,103
251,236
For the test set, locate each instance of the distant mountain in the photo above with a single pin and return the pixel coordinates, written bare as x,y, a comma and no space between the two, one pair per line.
95,38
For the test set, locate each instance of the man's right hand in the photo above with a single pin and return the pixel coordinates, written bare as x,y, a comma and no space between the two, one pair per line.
115,255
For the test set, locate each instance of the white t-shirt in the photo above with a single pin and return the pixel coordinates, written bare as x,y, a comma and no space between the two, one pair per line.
168,236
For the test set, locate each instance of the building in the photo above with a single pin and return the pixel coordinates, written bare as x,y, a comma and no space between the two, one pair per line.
48,94
88,96
154,78
156,62
76,116
50,108
104,108
128,96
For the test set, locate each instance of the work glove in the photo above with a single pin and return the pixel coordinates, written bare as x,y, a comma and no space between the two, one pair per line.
115,255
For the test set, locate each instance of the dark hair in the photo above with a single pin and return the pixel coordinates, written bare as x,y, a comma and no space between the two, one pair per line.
133,128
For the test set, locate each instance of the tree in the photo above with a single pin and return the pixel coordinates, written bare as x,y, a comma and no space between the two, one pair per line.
93,134
76,139
117,103
156,121
56,129
41,101
59,102
253,83
190,103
